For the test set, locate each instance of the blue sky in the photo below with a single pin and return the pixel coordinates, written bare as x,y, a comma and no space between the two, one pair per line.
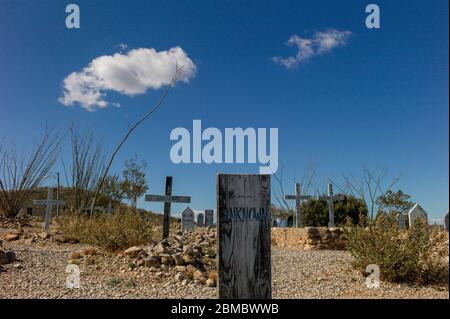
379,100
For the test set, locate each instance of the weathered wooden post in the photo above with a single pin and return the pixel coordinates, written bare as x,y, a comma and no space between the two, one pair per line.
298,197
167,199
331,198
243,225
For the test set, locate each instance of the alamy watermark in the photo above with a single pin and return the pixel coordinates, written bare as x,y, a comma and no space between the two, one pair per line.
230,149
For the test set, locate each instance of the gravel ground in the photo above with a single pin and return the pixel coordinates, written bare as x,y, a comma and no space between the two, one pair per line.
40,273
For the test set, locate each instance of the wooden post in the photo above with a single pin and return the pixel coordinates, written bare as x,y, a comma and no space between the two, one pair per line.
243,224
49,202
167,205
167,199
330,198
298,197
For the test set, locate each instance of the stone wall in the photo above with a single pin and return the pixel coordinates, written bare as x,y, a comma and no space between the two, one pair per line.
309,238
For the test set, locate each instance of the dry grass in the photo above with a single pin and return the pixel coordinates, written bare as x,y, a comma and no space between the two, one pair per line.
418,255
112,232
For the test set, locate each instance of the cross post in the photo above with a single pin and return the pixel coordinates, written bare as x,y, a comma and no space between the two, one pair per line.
49,202
167,199
330,198
298,200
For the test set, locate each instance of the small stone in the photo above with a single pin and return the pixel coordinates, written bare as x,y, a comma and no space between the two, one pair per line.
152,262
140,263
210,283
44,235
178,259
133,252
11,237
180,268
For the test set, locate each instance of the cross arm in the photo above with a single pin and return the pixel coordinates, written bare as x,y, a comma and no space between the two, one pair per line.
294,197
167,199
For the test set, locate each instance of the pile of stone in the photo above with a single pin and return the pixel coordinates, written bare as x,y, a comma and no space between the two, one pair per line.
28,238
309,238
191,255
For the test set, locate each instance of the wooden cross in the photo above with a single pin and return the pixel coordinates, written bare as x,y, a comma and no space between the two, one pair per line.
298,200
330,198
49,202
167,199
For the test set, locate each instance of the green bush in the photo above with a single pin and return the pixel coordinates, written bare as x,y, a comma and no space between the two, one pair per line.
113,232
415,255
315,212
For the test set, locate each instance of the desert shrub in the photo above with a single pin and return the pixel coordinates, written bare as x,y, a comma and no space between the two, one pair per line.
112,232
416,255
315,212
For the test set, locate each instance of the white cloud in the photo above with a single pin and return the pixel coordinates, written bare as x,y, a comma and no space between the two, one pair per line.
321,42
130,74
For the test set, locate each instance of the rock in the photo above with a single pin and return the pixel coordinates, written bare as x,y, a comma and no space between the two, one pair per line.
152,262
3,258
11,237
44,235
59,238
180,268
132,252
30,241
210,283
160,249
188,259
140,263
198,275
178,258
7,257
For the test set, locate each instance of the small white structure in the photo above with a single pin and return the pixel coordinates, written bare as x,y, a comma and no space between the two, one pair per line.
417,212
187,220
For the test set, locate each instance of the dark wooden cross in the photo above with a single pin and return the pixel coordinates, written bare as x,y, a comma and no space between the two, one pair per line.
167,199
330,198
298,200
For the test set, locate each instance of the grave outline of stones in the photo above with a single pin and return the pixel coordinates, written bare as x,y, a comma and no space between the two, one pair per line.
330,198
298,197
49,202
167,199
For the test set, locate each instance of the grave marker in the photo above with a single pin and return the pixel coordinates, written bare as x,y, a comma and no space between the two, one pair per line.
446,221
243,224
49,202
330,198
209,218
401,221
417,212
167,199
200,220
187,220
298,200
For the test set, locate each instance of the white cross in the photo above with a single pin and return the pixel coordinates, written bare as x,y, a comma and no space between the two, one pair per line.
330,198
49,202
298,200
